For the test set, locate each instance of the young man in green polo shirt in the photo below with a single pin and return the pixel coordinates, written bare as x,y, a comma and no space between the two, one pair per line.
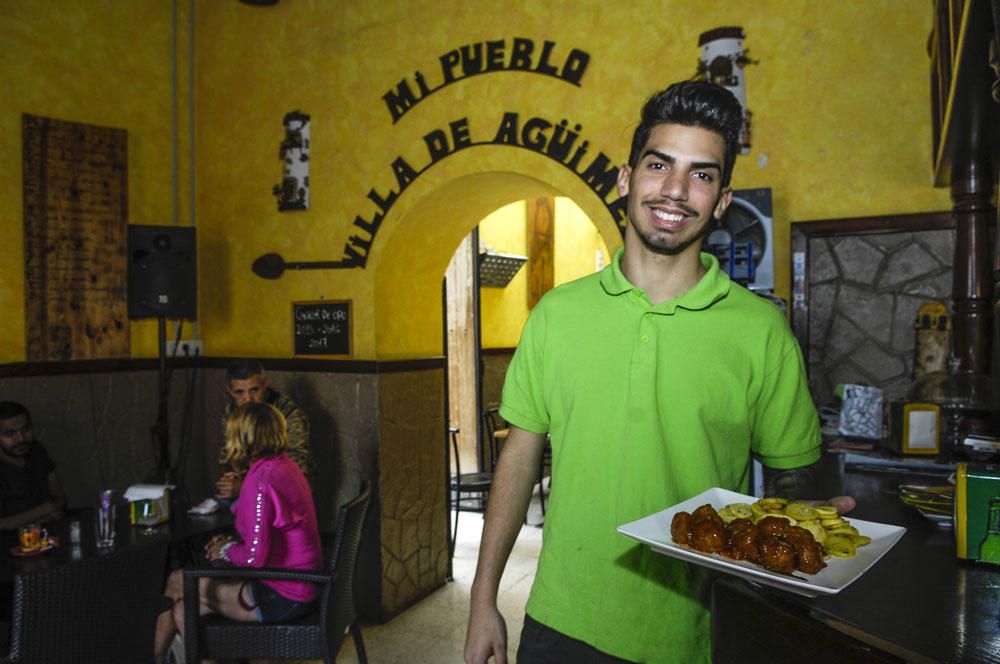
655,379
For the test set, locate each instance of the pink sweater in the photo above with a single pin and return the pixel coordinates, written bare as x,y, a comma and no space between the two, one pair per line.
276,521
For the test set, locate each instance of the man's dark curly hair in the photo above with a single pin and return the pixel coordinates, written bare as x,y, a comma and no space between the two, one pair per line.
9,409
693,104
244,369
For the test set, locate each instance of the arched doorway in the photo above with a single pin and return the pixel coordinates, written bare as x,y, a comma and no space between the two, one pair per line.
488,293
409,261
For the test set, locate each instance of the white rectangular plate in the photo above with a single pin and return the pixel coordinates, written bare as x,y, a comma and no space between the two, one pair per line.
654,530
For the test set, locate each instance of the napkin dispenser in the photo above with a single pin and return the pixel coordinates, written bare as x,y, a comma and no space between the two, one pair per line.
149,504
914,428
977,512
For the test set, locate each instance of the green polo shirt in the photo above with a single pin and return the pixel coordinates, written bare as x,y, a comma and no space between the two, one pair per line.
648,405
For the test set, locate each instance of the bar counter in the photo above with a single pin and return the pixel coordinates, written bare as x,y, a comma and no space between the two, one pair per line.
919,603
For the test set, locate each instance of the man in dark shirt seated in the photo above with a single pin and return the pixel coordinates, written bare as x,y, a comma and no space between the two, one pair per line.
29,489
246,381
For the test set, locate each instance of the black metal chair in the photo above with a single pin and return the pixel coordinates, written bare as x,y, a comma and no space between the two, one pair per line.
318,635
99,609
471,490
492,422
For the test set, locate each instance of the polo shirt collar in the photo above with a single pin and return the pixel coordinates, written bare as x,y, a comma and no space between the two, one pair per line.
712,287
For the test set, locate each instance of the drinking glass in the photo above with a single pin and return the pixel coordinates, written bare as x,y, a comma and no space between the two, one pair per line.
104,525
149,516
30,537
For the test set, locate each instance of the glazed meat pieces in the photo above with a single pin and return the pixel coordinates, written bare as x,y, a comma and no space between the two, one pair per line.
680,528
743,544
705,512
709,535
809,557
772,542
808,552
773,526
704,529
777,555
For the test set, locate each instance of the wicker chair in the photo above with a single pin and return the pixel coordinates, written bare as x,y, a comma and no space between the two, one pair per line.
318,635
99,609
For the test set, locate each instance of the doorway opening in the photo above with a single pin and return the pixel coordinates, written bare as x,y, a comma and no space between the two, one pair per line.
482,323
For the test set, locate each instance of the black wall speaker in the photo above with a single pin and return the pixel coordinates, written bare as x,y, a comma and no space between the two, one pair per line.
161,272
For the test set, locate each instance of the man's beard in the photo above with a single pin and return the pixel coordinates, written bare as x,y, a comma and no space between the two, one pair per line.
661,243
20,450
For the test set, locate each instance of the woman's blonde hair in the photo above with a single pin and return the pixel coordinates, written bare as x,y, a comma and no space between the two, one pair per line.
254,431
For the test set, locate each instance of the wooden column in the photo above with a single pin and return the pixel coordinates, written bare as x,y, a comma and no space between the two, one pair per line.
967,158
994,62
972,281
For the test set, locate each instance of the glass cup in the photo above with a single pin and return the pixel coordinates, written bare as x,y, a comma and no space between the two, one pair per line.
104,520
30,536
149,516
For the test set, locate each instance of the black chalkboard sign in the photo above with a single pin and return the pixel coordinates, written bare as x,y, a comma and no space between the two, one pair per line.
322,327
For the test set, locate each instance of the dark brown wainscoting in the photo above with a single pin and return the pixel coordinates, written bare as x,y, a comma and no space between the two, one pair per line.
14,369
504,350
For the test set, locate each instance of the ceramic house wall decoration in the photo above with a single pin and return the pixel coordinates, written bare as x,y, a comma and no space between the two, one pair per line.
293,192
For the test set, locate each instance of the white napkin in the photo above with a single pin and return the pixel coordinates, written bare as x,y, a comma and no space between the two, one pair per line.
206,506
146,491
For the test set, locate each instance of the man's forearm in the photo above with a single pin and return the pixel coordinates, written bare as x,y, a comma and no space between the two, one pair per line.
817,480
37,513
510,493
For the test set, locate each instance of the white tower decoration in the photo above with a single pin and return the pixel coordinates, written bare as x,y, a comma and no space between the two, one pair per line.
722,59
293,192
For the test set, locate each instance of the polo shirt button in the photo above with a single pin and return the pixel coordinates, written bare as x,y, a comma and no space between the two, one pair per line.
645,338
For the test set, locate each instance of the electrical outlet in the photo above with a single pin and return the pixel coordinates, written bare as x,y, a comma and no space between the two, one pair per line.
185,348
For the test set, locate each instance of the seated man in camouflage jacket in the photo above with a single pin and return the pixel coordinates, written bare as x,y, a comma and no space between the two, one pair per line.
245,381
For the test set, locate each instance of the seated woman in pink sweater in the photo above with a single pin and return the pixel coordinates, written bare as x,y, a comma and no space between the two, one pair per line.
276,527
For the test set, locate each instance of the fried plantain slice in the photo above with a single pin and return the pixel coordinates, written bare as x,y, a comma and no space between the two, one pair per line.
801,512
834,522
826,511
773,504
841,546
861,540
736,511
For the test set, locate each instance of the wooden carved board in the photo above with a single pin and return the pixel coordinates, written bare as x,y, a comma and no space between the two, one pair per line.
541,248
75,222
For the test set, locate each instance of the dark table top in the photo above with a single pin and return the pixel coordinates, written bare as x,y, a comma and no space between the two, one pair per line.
919,600
180,529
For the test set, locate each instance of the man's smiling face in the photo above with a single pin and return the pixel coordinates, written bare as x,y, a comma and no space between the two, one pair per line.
675,188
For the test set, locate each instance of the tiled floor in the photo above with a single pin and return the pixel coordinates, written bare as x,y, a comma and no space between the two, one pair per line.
433,630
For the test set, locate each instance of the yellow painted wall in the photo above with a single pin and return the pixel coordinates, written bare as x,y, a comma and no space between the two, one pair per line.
504,231
102,62
504,310
577,243
841,128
